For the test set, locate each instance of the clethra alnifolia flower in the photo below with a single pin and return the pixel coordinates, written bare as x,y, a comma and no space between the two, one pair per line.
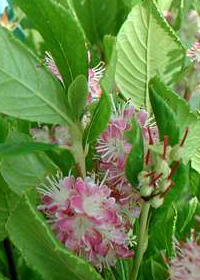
186,265
87,219
56,135
94,76
194,52
49,61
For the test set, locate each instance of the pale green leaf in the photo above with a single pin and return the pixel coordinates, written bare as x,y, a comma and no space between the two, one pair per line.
146,44
191,211
40,248
28,90
62,35
28,170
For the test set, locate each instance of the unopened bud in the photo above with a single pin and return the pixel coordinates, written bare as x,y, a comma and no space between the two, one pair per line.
146,190
143,178
162,166
164,185
156,201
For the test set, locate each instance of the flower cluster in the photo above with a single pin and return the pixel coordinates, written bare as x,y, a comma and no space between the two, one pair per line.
194,52
87,219
94,76
113,149
56,135
186,266
49,61
161,162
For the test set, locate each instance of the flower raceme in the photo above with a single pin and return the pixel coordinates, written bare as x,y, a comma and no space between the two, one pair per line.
113,148
87,219
194,52
161,162
94,76
186,265
56,135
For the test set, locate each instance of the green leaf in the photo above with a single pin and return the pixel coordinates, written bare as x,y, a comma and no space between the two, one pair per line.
100,119
191,209
108,80
3,129
62,36
180,16
28,92
8,200
24,271
24,148
165,117
109,42
185,118
164,4
131,3
4,211
146,44
3,277
28,170
96,17
158,271
40,248
196,161
162,233
77,96
135,160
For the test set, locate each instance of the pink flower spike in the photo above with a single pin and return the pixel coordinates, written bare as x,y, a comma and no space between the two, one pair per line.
56,192
93,200
52,66
194,52
94,76
186,266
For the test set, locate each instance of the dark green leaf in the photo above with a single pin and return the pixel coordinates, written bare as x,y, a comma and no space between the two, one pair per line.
3,129
8,200
62,35
38,245
108,81
162,233
185,118
108,44
186,212
165,117
135,160
158,271
4,210
77,96
131,3
97,17
100,119
24,148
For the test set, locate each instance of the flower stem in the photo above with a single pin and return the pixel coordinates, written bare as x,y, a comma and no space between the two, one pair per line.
142,242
